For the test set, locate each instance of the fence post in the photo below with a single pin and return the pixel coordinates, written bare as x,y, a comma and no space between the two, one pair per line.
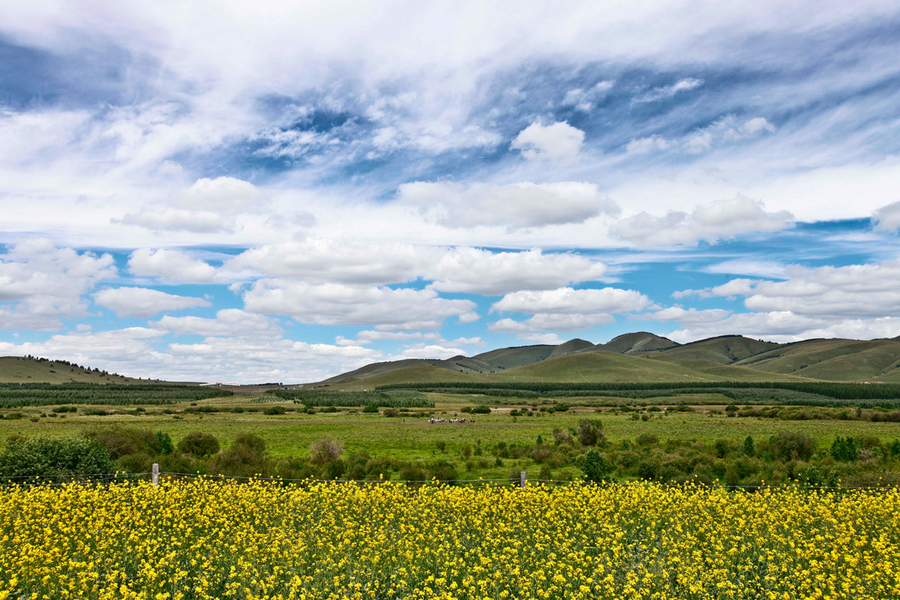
522,479
154,476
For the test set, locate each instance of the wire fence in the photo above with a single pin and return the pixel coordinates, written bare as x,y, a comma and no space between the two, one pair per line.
522,481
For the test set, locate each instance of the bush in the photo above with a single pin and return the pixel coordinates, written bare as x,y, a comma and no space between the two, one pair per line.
370,408
198,443
595,468
589,432
325,451
647,439
749,446
844,449
274,410
391,412
443,471
54,457
791,446
481,409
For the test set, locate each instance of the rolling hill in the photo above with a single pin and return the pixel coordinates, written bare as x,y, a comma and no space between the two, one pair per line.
644,356
26,369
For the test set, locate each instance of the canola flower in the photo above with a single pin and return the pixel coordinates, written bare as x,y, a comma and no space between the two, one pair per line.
209,539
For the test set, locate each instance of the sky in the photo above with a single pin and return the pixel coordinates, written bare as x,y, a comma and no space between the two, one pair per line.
284,191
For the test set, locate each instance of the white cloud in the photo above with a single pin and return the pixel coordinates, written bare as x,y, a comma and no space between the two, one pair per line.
569,301
551,322
173,219
472,270
749,266
245,357
557,142
887,218
854,291
228,323
170,265
143,302
661,93
565,309
45,283
733,288
223,195
647,145
336,304
723,218
584,100
682,315
787,327
513,206
317,260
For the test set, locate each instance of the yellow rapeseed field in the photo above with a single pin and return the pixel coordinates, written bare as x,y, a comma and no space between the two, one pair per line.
206,539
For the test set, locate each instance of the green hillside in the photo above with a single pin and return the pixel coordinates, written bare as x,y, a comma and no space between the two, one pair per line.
22,369
833,359
637,343
409,374
571,347
726,350
601,366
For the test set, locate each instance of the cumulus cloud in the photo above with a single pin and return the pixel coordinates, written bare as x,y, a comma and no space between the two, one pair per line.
317,260
572,302
143,302
887,218
565,309
555,142
228,322
336,304
854,291
173,219
223,195
245,357
854,301
43,283
513,206
473,270
685,315
170,265
551,322
787,327
723,218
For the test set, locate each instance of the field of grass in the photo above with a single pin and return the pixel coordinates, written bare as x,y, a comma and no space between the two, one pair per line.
412,438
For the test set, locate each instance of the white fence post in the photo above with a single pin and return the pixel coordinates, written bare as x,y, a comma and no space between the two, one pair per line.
522,479
154,476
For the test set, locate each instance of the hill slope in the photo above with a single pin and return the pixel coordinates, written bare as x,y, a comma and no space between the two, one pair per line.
602,366
726,350
833,359
637,343
23,369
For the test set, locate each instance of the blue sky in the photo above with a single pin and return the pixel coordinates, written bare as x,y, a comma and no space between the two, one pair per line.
273,191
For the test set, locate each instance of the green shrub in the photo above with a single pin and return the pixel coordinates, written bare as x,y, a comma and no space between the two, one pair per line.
791,446
443,471
54,457
481,409
274,410
589,432
749,446
370,408
595,468
198,443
